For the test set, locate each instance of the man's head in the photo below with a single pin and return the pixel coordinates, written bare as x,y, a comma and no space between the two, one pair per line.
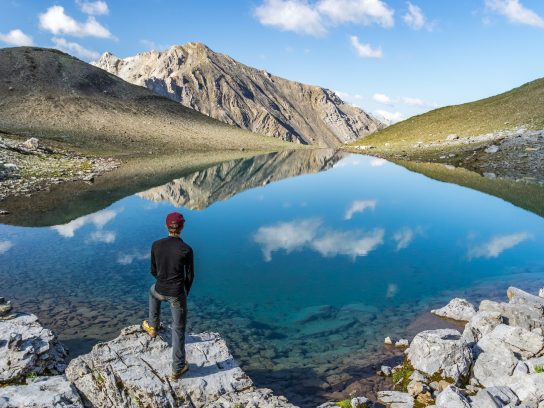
174,223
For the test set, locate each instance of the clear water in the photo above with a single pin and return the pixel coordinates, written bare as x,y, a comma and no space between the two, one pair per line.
304,276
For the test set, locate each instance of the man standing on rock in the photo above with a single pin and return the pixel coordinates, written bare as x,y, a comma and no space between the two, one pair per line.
172,264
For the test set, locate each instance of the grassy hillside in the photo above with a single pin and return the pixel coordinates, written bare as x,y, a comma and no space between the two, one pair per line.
520,107
50,95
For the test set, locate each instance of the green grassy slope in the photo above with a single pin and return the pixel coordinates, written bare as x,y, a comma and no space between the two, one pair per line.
520,107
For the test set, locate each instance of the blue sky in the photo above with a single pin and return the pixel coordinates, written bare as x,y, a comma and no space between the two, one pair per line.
393,57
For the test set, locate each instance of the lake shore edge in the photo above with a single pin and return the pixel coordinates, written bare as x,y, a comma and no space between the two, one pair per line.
497,359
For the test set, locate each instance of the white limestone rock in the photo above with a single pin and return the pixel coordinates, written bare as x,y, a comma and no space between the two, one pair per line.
396,399
456,309
516,314
493,367
131,370
520,341
452,398
26,347
494,397
42,392
480,324
442,352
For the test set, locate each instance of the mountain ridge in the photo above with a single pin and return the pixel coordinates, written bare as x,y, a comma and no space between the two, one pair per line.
221,87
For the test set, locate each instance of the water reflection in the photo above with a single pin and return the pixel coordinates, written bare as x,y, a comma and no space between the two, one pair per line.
497,245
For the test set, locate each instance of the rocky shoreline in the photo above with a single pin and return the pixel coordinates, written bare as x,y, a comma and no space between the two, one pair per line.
30,166
497,361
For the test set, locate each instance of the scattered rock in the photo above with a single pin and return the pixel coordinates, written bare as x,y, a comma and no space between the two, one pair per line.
42,392
4,212
5,307
492,149
361,402
517,339
388,341
396,399
386,370
452,137
32,143
441,352
26,347
480,324
494,397
402,343
451,397
456,309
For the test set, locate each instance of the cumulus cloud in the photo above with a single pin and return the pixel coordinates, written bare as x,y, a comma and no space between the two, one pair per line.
129,257
17,38
389,117
515,12
303,17
365,50
350,243
414,17
308,233
99,219
5,246
291,15
365,12
382,98
412,101
405,236
359,206
107,237
287,236
57,22
95,8
74,48
497,245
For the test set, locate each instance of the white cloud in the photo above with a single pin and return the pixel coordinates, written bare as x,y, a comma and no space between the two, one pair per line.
291,15
515,12
307,233
497,245
95,8
134,255
382,98
359,206
406,100
342,95
389,117
287,236
377,162
365,50
57,22
350,243
99,219
363,12
5,246
106,237
17,37
405,236
74,48
414,17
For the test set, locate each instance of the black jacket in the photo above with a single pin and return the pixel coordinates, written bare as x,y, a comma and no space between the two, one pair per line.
173,266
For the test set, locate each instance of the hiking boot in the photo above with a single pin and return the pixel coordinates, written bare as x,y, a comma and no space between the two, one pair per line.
149,329
176,375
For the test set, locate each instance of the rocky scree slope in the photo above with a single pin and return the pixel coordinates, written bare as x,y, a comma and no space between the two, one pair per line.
223,88
48,94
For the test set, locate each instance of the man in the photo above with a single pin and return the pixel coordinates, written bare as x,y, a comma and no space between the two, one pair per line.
172,264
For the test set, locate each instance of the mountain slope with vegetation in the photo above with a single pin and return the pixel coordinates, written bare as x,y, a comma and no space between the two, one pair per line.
500,136
50,95
234,93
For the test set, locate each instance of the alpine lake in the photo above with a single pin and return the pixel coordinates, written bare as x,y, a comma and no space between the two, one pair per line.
305,261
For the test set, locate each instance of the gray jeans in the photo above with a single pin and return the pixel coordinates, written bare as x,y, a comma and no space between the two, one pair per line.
178,305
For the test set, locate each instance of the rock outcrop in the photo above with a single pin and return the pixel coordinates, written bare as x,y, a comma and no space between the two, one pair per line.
132,370
220,87
203,188
457,309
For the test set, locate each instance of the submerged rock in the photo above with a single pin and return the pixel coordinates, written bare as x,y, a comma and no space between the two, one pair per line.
441,352
43,392
456,309
26,347
132,370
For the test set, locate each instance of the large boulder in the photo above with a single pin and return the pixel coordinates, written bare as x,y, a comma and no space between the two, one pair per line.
480,324
42,392
529,388
520,341
132,370
516,313
520,297
441,352
456,309
26,347
494,397
492,368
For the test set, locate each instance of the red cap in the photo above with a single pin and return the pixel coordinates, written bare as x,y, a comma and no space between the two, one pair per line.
174,220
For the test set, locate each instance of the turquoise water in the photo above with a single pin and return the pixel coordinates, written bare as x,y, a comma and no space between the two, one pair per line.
303,276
